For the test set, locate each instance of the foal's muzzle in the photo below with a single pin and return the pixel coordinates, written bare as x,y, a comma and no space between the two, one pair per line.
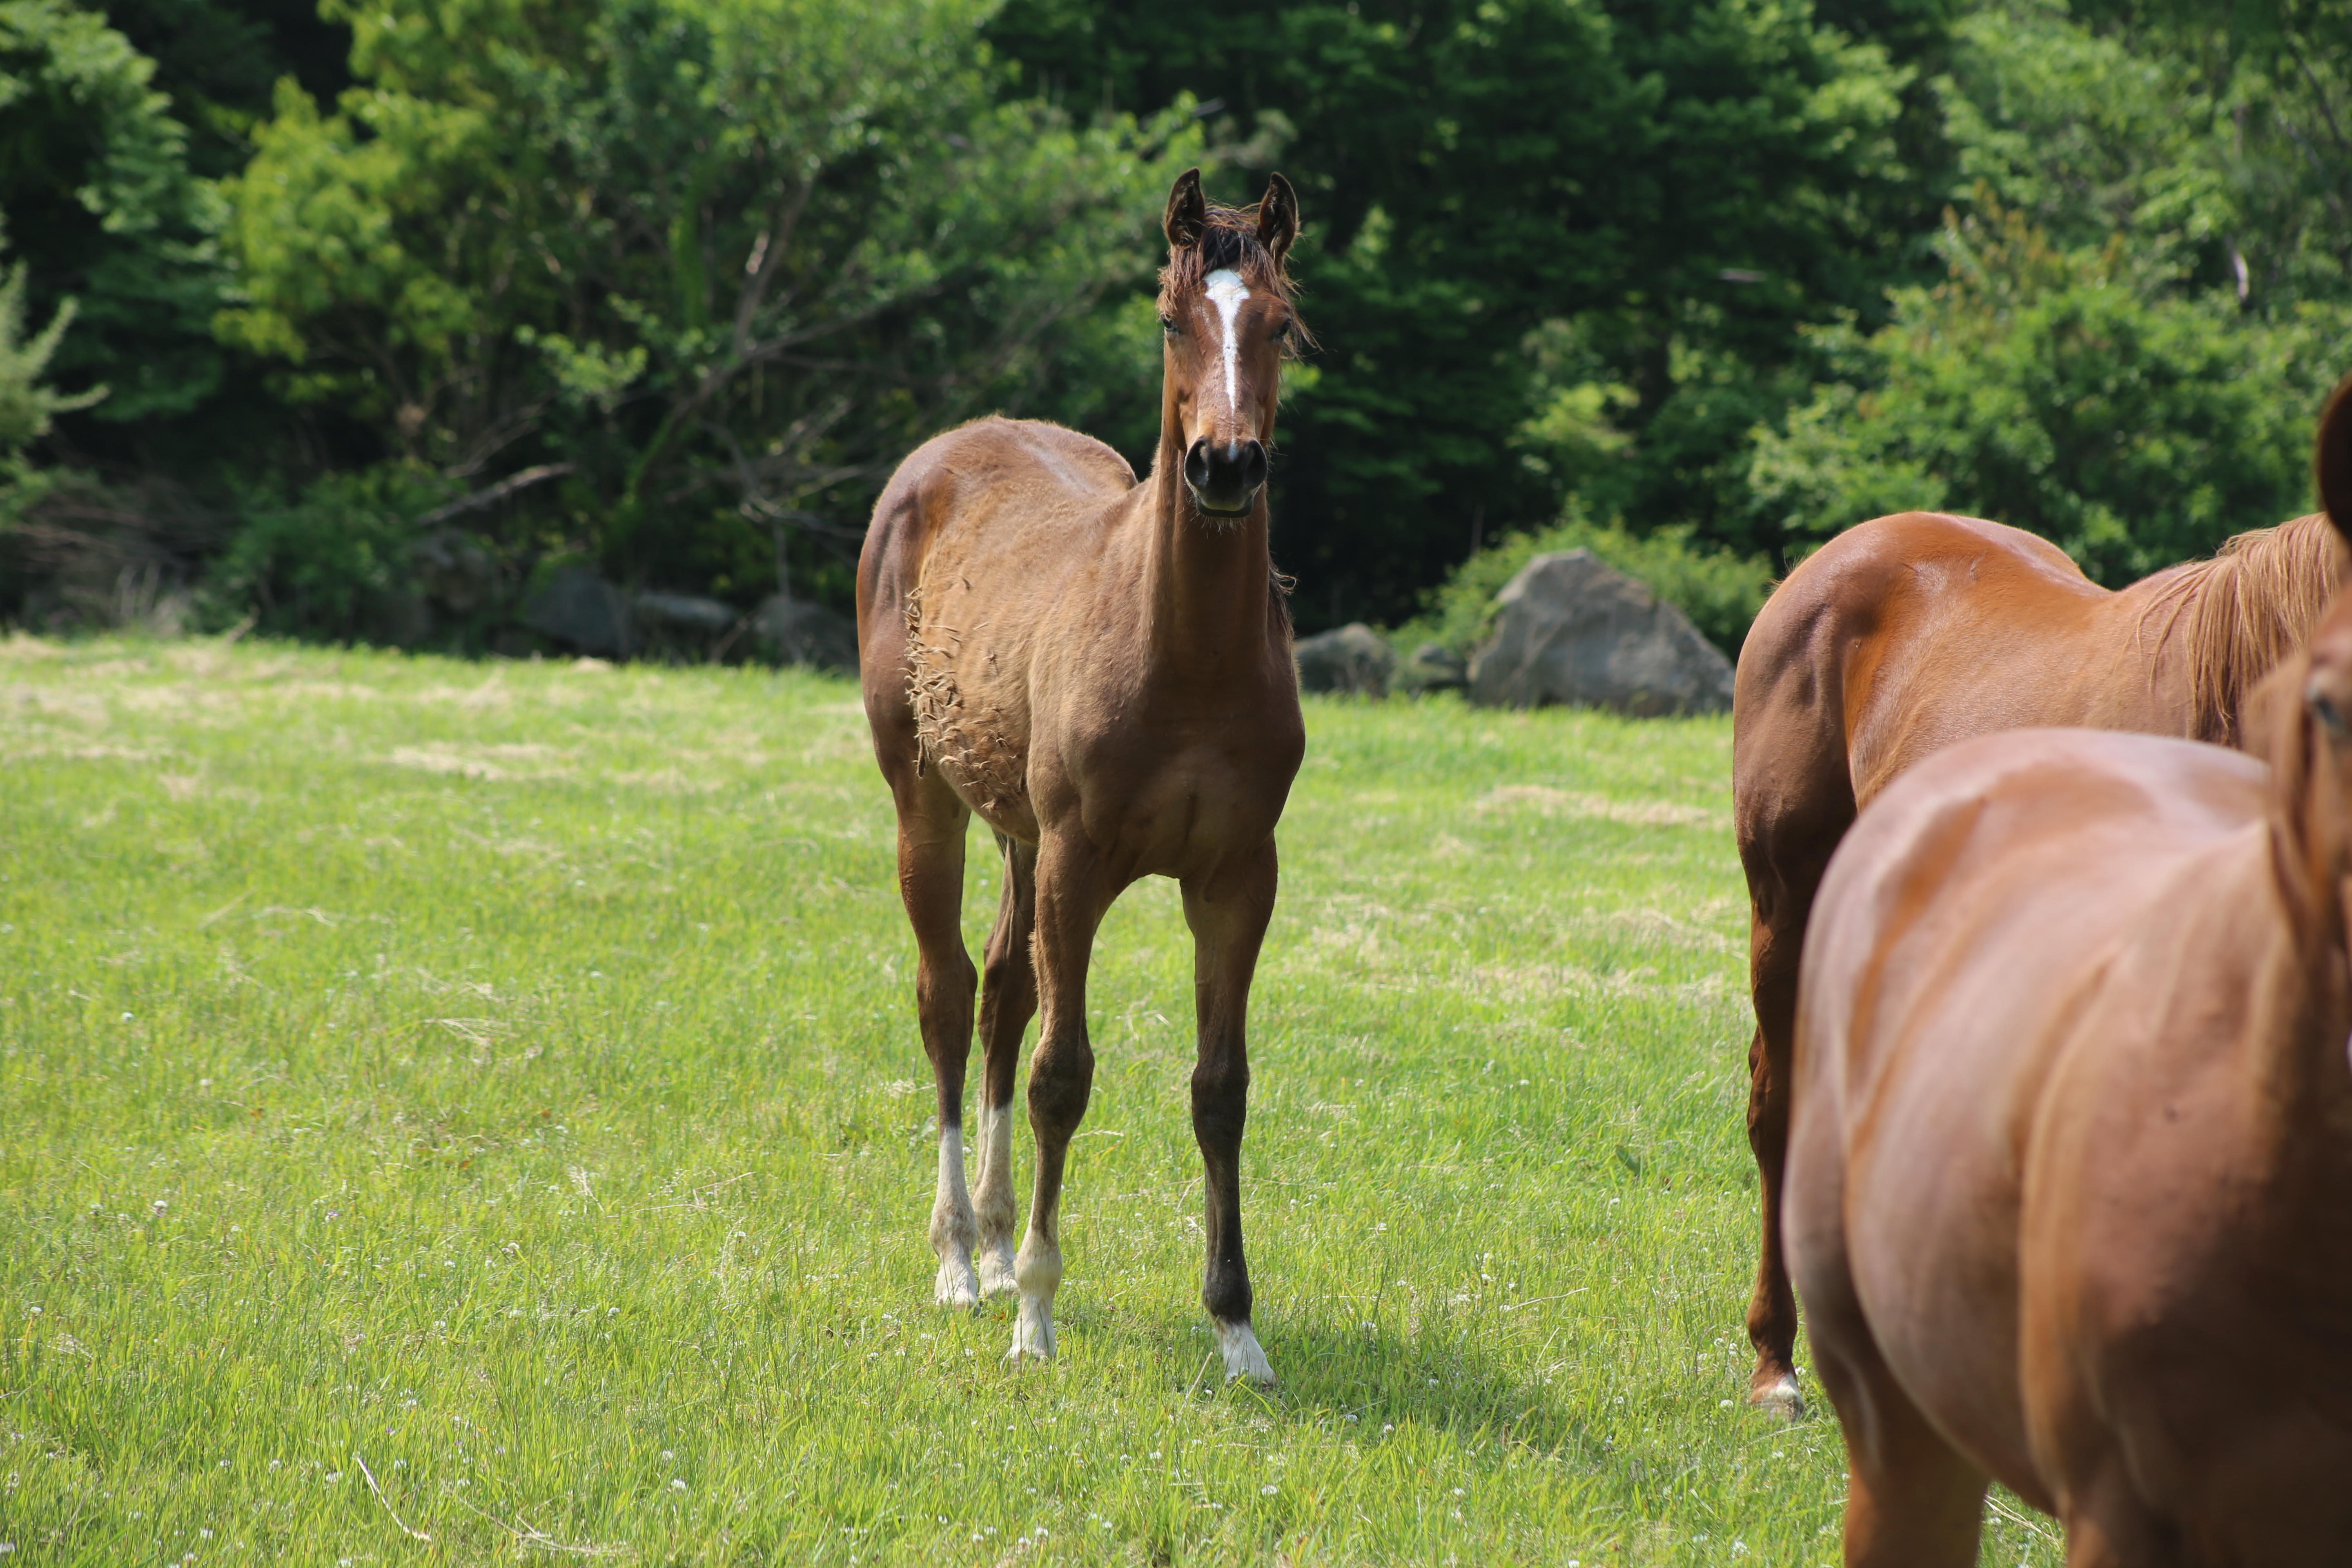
1224,476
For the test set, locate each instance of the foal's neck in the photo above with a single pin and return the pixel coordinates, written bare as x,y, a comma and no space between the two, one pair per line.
1207,580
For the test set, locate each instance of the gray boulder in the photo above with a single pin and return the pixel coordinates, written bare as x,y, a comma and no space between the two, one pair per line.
795,631
1571,630
684,614
1433,667
457,572
1354,660
395,618
581,610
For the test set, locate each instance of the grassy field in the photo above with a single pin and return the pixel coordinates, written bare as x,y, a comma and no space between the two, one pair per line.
472,1112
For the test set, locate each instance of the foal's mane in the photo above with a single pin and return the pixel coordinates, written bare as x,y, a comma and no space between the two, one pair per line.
1229,242
2252,606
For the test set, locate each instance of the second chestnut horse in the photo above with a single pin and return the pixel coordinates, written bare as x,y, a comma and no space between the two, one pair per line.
1904,634
2070,1173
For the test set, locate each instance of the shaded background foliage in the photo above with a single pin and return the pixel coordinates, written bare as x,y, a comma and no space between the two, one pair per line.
665,287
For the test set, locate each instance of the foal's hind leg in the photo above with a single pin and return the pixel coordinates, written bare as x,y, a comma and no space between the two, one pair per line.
1228,912
931,823
1073,892
1008,1000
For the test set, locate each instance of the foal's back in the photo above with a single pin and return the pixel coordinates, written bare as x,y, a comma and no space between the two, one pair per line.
1017,500
974,544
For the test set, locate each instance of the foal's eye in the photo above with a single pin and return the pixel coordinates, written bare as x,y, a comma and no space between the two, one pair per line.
1281,331
1167,325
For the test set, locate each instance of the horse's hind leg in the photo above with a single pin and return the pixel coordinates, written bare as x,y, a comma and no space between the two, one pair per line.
931,823
1785,844
1008,1000
1228,912
1912,1499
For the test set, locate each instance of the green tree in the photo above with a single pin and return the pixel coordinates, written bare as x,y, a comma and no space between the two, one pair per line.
1676,186
96,190
27,403
2060,392
728,260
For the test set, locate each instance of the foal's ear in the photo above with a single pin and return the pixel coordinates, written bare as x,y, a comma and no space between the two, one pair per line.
1188,211
2333,459
1278,223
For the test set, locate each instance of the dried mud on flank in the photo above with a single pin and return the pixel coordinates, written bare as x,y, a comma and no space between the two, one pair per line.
970,749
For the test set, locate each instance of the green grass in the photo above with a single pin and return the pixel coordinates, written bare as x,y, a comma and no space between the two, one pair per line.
505,1076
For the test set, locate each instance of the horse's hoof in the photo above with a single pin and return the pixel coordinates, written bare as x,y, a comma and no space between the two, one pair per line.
1780,1397
1244,1357
957,1286
995,1262
1032,1334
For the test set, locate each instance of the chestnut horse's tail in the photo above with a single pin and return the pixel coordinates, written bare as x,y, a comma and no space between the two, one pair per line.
2252,606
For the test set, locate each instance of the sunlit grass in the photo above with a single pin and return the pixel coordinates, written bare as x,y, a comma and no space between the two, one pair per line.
500,1080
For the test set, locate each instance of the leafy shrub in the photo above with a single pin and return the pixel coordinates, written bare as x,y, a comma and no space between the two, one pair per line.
337,559
1720,591
2065,393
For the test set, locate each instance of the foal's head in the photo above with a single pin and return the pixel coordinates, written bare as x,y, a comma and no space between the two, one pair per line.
1225,312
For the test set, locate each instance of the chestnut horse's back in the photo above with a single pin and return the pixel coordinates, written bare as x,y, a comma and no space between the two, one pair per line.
1910,632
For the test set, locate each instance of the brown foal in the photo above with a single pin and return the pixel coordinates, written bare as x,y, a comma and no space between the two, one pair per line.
2070,1175
1102,670
1912,632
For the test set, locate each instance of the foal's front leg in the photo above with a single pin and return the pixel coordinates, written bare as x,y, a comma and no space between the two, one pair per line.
1228,910
1071,898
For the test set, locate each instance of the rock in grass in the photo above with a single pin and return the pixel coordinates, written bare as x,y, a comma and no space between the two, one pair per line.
1572,630
684,614
795,631
580,609
1354,660
1433,667
457,572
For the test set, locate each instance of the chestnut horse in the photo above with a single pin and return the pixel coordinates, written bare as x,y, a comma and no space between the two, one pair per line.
1911,632
1102,670
2070,1173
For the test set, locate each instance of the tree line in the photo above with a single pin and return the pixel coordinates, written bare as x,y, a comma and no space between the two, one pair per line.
357,322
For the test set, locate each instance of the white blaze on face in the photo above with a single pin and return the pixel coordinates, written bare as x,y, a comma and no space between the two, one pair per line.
1226,291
